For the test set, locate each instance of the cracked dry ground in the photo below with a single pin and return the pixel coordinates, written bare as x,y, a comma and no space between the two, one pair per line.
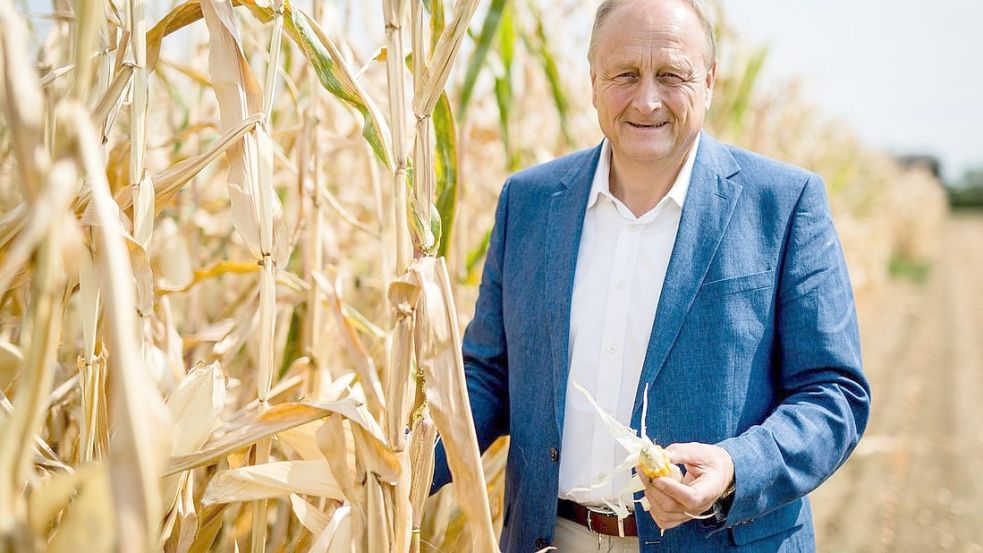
915,482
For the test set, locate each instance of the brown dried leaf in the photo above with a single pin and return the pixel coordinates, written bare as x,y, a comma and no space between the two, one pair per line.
439,354
310,517
195,406
337,534
89,520
272,480
277,419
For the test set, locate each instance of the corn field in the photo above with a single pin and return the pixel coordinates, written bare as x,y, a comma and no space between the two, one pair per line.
237,253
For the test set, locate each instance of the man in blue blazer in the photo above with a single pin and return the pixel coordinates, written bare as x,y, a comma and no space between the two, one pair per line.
665,263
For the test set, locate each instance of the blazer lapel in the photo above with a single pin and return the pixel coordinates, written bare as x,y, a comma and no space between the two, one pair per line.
707,210
564,225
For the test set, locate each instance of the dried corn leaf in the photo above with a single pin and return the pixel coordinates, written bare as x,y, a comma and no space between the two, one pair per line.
379,527
272,480
301,439
52,494
210,522
39,342
239,96
277,419
310,517
422,444
195,406
138,410
89,521
11,359
364,365
187,518
376,456
22,102
337,534
428,92
143,212
439,354
50,203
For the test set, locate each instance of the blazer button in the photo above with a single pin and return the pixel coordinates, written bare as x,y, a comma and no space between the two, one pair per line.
554,454
541,544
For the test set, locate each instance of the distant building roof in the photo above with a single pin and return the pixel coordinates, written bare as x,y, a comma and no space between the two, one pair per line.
924,161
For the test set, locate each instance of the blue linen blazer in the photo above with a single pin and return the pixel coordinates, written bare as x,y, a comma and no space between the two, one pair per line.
754,346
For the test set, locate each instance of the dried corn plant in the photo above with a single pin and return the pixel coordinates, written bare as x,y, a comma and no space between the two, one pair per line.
269,439
236,253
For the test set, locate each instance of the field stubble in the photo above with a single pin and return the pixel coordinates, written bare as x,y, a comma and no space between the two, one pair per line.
914,482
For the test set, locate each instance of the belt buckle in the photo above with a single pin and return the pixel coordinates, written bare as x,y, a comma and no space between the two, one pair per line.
590,526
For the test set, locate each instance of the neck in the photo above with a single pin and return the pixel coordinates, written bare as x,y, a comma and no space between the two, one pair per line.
641,186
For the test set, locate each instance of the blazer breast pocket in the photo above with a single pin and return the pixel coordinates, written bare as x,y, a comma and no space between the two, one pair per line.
734,285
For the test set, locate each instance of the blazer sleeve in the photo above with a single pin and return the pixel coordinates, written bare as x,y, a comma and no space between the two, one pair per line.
824,398
484,350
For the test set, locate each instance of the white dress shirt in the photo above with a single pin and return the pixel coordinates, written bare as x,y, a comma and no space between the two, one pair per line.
621,267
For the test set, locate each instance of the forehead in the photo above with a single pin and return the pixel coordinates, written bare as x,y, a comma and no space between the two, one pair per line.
651,30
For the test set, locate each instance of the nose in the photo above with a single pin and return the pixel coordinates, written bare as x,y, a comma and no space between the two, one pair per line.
648,96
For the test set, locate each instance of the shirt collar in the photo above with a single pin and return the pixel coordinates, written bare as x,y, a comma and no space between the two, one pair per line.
677,192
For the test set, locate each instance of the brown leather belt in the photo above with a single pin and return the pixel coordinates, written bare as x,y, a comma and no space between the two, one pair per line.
602,523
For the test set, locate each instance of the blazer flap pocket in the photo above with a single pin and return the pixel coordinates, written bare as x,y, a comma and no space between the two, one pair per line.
776,522
742,283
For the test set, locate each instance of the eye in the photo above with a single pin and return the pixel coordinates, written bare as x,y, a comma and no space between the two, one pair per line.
626,76
671,79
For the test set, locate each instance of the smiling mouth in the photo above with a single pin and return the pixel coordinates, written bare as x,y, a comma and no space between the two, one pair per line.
649,126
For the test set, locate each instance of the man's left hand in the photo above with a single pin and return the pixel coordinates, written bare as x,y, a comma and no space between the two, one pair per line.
709,472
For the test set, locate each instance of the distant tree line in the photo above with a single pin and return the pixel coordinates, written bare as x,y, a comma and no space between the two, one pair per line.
967,192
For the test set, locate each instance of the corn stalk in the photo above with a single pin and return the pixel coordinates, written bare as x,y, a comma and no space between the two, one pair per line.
17,430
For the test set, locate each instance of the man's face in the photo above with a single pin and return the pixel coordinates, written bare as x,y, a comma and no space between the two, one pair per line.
651,86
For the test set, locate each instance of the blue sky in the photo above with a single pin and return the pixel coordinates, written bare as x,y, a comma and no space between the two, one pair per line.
907,75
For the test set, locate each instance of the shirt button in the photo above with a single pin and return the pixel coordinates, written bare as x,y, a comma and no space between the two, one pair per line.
612,348
621,285
554,454
633,226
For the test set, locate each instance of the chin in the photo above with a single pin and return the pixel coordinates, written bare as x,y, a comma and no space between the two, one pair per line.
650,154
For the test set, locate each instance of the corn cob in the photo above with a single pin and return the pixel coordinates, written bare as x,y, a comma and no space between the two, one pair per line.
654,463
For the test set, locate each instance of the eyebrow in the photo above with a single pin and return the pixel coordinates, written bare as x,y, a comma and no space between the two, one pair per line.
678,64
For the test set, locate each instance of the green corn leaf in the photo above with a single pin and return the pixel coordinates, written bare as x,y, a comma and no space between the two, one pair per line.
506,36
475,256
539,46
446,170
337,80
746,89
503,84
438,21
489,29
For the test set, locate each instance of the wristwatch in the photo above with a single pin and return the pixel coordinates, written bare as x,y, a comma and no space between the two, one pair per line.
717,513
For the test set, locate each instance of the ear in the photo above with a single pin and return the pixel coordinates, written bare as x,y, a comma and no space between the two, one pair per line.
710,81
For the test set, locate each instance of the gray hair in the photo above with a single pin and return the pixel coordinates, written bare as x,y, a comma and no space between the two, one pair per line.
608,6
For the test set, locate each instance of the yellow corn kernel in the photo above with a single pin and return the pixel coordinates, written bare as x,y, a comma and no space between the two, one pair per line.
654,463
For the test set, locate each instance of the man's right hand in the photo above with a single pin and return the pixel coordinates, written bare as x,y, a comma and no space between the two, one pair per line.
709,472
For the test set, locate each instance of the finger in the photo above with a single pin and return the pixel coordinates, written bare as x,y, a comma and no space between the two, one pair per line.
664,503
689,496
689,454
668,522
